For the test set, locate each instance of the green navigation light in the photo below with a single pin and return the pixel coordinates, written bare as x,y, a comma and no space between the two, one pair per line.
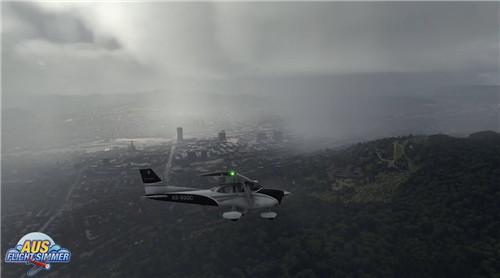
232,173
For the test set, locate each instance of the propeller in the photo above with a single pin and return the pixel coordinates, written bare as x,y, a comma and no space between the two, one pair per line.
248,194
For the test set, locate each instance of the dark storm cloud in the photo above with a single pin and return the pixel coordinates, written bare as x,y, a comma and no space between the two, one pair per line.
52,26
57,51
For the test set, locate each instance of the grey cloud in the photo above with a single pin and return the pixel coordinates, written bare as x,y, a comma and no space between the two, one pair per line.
189,45
363,35
327,68
54,26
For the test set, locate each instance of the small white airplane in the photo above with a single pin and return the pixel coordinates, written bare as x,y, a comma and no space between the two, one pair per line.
234,191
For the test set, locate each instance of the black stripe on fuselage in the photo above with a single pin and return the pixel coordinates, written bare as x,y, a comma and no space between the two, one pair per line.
275,193
184,198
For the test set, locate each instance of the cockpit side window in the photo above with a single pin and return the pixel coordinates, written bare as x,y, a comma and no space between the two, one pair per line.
230,179
231,188
226,189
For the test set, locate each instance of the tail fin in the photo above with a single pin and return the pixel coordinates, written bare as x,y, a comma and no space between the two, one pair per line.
149,176
154,185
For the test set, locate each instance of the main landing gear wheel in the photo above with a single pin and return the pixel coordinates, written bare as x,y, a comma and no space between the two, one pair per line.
232,215
270,215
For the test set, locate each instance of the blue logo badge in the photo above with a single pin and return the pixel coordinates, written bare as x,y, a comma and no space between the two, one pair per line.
39,250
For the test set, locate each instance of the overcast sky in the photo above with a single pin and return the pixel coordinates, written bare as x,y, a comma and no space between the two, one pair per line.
64,48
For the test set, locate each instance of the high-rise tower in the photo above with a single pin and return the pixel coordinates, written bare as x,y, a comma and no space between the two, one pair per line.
222,136
179,134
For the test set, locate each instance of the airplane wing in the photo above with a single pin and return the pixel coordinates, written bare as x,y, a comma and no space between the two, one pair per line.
219,174
227,176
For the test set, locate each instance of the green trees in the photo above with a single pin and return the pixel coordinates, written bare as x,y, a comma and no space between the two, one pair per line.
441,220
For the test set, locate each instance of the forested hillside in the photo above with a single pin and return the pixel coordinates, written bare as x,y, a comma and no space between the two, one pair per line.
415,206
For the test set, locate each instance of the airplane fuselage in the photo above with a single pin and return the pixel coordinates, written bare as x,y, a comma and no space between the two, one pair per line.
208,197
236,192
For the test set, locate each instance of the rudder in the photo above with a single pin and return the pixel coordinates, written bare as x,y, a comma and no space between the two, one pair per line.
149,176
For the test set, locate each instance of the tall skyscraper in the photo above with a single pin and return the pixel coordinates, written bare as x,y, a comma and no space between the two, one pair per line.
222,136
179,134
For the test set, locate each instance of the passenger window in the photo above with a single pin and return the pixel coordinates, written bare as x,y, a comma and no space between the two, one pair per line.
226,189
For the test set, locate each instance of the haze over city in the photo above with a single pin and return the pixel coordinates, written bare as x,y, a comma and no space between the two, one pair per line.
325,68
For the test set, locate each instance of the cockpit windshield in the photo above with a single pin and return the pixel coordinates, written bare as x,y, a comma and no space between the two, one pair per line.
253,186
